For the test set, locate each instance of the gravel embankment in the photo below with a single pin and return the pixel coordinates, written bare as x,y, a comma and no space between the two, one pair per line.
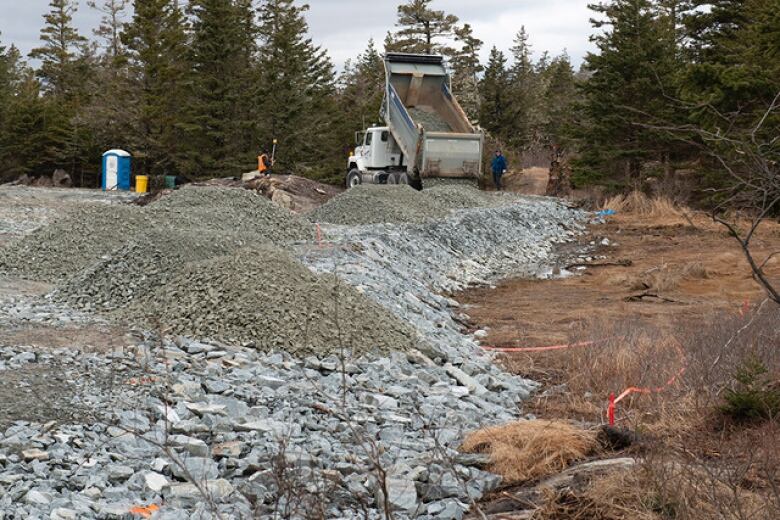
325,383
407,268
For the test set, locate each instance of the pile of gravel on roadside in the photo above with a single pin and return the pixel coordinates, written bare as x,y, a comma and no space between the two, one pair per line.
454,196
69,244
265,297
402,204
229,210
145,263
94,233
377,204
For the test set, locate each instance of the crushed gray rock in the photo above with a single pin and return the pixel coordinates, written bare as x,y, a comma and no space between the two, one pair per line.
407,268
88,233
368,204
266,297
371,204
314,426
240,414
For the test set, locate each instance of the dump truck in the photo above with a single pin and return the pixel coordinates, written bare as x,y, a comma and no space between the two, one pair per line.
427,133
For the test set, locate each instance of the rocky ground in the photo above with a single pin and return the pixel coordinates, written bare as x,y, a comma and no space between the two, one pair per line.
198,427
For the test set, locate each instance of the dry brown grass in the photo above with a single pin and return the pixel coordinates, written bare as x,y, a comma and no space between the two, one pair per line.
637,203
664,278
652,491
656,211
528,450
618,496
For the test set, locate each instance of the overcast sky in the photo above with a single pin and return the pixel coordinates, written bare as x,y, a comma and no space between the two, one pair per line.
344,26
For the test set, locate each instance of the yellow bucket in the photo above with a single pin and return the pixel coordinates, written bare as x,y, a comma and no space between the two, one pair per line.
141,183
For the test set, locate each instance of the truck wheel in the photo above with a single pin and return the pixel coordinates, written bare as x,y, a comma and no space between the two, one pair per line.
403,179
392,179
416,184
354,178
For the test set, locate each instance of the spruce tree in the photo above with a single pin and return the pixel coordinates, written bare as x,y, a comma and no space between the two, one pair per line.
361,89
65,71
466,69
61,52
110,28
296,103
558,101
107,115
735,59
423,30
525,113
495,109
156,40
221,54
32,130
632,74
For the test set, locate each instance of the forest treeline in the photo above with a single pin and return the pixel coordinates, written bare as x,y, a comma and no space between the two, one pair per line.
200,88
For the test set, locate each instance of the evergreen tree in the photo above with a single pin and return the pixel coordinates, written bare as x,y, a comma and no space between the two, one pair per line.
422,29
558,101
525,113
66,67
110,29
62,51
361,89
297,101
32,132
156,40
735,59
465,70
631,76
107,115
221,58
495,111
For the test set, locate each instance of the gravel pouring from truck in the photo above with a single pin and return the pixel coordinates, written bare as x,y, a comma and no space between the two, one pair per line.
427,133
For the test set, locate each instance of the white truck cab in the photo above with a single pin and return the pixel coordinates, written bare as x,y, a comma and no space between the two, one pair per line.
377,158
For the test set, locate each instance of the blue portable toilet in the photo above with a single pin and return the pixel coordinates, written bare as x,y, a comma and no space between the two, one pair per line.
116,170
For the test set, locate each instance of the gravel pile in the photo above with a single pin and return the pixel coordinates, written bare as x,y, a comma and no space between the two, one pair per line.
144,264
369,204
71,243
90,233
229,210
265,297
456,196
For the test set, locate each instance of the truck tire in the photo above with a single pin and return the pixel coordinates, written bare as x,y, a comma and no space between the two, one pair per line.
417,183
354,178
392,178
403,178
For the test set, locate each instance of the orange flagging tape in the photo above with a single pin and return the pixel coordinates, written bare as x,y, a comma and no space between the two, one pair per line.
613,401
540,349
144,511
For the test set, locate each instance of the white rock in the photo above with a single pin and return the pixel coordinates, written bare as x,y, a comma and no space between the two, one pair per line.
155,481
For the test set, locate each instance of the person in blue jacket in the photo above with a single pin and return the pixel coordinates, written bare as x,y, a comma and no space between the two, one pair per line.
499,169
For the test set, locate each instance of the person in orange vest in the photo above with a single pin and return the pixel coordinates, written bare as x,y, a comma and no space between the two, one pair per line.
264,164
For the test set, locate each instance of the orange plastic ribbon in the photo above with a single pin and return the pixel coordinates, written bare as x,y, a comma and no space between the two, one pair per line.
145,511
